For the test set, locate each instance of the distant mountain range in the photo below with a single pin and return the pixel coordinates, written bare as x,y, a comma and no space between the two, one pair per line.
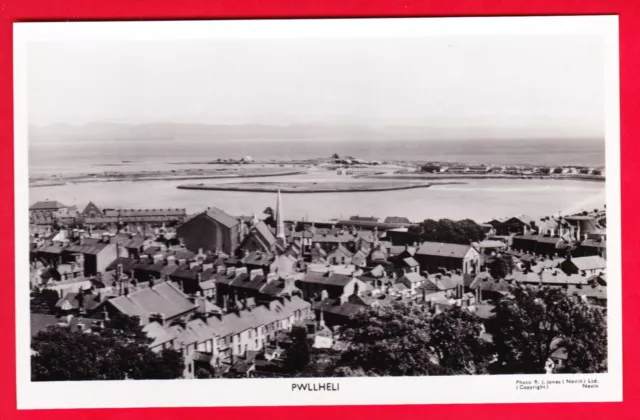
100,131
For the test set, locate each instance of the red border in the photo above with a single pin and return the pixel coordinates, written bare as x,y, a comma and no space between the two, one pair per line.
34,10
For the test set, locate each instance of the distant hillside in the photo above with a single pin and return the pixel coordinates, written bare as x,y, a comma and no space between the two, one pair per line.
99,132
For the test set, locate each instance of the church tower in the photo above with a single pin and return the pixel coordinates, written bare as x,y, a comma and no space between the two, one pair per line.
280,234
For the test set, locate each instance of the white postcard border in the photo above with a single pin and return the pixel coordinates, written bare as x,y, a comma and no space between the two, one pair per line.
352,391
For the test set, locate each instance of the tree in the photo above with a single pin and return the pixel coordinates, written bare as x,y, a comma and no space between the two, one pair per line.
456,341
501,266
118,352
387,341
445,230
297,356
335,156
532,323
270,220
202,373
44,301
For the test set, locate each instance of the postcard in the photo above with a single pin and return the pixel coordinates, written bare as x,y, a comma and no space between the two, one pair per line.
317,212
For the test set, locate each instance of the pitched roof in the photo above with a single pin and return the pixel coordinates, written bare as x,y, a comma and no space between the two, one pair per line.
127,264
359,258
485,282
593,243
594,292
92,249
144,212
528,237
445,282
550,240
364,218
340,249
163,298
51,249
235,323
222,217
487,243
593,262
397,219
331,306
158,333
47,205
265,233
252,281
329,278
413,277
72,301
443,249
410,262
551,277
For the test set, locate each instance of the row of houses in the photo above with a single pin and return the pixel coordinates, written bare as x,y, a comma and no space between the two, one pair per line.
49,211
458,168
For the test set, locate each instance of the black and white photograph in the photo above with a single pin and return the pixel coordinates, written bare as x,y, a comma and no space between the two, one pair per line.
330,211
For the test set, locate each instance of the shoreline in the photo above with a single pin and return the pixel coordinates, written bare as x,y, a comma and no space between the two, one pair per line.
486,176
307,190
82,180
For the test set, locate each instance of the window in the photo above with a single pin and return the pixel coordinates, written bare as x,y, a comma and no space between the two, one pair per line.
249,334
257,344
246,347
239,349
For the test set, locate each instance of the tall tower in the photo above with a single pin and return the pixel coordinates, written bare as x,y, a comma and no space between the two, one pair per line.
280,235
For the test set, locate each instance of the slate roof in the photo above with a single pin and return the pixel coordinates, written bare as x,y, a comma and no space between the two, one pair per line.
592,262
47,205
340,249
334,238
445,282
258,258
235,323
594,292
207,285
51,249
413,277
486,283
265,233
279,287
397,219
491,244
410,262
162,298
359,258
593,243
158,333
346,309
443,249
90,301
222,217
94,249
127,264
144,212
250,282
330,279
551,277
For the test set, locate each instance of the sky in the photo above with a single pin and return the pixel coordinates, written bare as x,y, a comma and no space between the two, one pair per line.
553,84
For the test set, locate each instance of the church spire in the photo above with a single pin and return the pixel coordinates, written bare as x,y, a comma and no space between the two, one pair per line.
280,221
